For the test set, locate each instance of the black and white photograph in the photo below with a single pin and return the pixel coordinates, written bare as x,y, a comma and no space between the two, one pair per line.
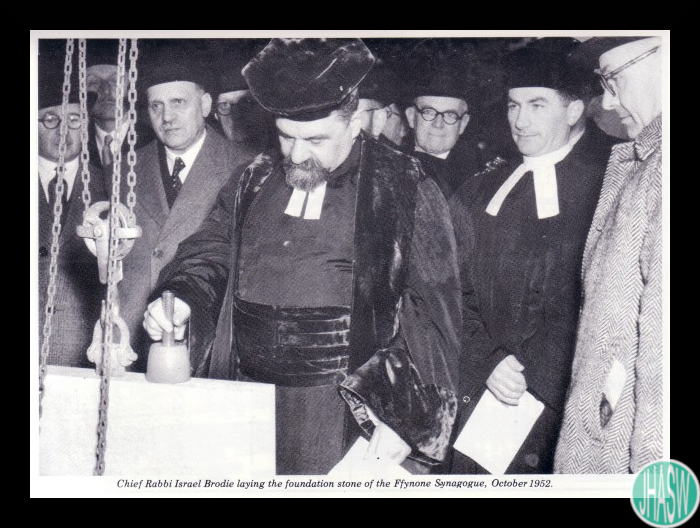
348,263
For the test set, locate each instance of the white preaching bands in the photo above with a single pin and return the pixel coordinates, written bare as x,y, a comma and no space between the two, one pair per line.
314,203
544,177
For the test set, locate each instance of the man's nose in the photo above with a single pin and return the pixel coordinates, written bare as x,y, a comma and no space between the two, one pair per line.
439,121
609,101
522,119
299,153
168,114
108,89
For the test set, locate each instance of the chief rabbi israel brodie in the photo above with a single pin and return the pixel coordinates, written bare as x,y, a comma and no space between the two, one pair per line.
328,270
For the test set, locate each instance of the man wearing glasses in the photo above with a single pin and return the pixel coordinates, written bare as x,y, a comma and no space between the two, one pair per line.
613,418
438,115
522,227
78,288
179,173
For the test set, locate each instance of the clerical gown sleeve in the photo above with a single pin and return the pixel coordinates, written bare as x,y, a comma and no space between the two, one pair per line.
411,385
198,273
480,352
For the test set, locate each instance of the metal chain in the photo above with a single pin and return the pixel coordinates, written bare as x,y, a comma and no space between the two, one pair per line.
56,227
112,271
131,155
84,152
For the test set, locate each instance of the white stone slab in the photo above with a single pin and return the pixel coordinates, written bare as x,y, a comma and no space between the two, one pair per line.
200,427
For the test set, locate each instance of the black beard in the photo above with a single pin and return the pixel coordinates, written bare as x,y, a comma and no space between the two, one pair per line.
305,176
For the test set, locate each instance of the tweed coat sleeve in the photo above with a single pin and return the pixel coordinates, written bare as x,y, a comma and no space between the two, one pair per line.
648,422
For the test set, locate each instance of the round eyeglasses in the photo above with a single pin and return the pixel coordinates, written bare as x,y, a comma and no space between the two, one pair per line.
430,114
51,121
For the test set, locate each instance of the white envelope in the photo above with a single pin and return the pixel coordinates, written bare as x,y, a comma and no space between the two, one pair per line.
614,383
495,431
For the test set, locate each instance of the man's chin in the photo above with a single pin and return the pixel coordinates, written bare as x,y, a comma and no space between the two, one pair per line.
306,186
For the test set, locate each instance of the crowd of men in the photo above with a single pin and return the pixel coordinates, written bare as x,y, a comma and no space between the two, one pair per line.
371,243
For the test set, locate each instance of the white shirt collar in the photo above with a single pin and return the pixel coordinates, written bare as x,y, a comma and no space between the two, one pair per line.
188,157
100,136
551,158
441,156
47,171
544,178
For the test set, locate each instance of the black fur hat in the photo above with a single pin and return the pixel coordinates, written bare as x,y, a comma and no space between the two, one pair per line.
306,79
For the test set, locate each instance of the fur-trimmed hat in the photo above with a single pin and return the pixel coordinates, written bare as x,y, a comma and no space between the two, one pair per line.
307,79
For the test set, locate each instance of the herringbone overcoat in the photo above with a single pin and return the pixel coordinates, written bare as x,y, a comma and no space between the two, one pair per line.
613,415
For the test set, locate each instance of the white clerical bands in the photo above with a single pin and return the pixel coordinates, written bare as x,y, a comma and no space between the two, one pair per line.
544,178
309,204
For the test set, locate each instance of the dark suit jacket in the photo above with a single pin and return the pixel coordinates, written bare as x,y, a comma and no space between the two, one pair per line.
78,288
163,229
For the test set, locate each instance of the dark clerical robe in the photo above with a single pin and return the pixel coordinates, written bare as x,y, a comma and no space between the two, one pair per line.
451,172
357,309
521,282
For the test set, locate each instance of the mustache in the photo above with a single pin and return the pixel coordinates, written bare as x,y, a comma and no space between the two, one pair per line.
306,175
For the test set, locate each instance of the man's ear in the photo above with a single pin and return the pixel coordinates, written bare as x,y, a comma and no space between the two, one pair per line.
379,119
206,104
463,123
411,116
574,112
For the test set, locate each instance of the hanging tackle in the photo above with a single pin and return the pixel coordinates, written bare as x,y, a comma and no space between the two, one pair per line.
109,230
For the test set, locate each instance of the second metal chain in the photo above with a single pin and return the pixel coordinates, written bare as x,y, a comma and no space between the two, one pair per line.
56,226
131,155
112,270
84,151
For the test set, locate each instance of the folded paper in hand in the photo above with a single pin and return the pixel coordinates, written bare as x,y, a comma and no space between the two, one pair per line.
495,431
354,465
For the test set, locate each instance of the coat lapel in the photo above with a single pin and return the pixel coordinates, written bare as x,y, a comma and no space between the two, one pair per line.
609,196
150,196
205,176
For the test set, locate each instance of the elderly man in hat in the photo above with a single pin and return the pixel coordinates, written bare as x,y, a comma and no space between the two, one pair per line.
522,227
101,81
244,122
613,420
78,288
439,115
179,174
331,266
